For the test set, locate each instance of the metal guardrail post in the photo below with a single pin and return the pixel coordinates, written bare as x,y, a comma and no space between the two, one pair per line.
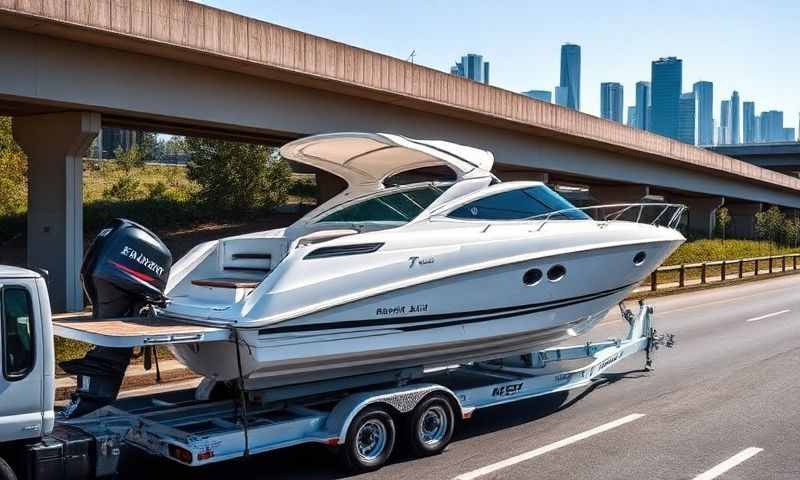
741,268
770,264
703,273
783,263
722,271
654,280
682,276
756,268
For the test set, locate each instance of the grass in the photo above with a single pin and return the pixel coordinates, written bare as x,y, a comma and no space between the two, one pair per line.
715,249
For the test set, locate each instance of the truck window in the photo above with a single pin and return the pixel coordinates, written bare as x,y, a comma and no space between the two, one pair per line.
17,330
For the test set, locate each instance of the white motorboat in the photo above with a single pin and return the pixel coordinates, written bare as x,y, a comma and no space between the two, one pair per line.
396,272
424,260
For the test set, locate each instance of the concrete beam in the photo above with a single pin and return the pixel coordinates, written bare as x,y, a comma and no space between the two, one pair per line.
54,144
619,194
702,213
743,219
522,175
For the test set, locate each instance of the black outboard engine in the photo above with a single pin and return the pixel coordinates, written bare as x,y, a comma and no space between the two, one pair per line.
124,271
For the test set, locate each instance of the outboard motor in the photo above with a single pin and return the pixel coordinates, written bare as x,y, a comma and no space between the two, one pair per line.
124,271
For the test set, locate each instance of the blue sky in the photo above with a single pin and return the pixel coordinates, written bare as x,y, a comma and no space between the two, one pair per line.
752,47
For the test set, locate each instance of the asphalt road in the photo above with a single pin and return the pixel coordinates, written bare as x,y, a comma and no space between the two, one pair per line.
731,386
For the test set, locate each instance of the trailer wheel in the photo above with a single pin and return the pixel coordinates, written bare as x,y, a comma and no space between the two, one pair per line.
370,440
6,473
429,428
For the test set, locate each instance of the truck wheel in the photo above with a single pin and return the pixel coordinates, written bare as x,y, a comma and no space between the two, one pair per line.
429,428
369,441
5,471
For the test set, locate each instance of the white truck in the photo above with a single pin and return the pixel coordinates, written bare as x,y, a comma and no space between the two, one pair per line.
363,417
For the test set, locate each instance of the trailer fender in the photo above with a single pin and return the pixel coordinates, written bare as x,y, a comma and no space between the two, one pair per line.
401,399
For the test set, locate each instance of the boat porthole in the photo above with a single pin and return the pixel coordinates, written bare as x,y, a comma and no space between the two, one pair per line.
639,258
556,273
532,276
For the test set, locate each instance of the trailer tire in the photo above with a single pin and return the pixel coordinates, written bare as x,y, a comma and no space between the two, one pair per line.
429,427
6,473
369,442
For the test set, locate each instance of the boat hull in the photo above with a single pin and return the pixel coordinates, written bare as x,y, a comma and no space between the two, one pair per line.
480,315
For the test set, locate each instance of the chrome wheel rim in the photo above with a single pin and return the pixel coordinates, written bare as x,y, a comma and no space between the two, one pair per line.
433,425
371,440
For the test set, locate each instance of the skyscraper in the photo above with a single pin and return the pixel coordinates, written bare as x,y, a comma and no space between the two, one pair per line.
472,67
643,105
543,95
788,135
631,121
686,118
562,96
725,122
611,101
772,126
666,82
704,112
734,118
749,122
571,74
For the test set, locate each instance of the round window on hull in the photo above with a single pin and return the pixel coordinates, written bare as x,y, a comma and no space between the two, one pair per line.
532,277
556,273
639,258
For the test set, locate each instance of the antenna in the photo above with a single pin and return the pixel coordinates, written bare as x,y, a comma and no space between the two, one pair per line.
411,57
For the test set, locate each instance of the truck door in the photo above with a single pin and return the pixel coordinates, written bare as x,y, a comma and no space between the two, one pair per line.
21,380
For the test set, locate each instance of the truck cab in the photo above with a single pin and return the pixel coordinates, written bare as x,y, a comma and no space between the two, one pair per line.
26,356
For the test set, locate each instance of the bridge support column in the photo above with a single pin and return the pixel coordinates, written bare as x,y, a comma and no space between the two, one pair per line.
619,194
55,144
702,214
743,219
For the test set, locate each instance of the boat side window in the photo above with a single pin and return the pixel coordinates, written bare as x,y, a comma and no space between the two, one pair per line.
17,331
395,207
518,205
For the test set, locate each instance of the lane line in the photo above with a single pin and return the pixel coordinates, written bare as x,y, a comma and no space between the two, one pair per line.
729,463
547,448
762,317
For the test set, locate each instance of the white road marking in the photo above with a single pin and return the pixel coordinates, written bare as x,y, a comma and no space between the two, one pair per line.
762,317
729,463
547,448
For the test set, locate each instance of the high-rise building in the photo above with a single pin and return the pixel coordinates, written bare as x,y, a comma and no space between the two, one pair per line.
631,120
734,119
789,135
757,125
562,96
611,95
686,118
571,74
643,105
725,122
704,112
472,67
772,126
749,122
666,84
543,95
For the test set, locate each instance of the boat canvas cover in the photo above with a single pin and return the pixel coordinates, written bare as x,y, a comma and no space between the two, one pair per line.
366,159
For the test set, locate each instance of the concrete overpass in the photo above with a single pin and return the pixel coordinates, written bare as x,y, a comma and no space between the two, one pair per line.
781,157
180,67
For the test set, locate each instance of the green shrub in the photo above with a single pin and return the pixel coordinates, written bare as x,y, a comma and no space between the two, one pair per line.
13,172
126,188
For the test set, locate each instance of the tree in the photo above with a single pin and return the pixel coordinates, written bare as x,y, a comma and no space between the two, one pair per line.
723,219
769,225
13,172
792,232
129,159
237,176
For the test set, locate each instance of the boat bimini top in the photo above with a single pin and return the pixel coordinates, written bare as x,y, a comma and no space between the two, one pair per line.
365,160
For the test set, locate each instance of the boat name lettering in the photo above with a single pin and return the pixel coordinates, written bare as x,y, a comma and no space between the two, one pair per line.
608,361
141,259
420,261
402,309
507,390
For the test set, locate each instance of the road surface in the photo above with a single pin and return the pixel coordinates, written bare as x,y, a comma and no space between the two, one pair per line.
725,403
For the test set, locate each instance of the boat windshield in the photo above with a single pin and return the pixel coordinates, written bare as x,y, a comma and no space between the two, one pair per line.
399,207
519,204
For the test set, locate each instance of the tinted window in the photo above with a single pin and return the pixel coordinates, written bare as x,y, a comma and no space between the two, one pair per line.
396,207
18,354
517,205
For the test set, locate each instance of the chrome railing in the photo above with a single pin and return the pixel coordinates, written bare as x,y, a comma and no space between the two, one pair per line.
667,213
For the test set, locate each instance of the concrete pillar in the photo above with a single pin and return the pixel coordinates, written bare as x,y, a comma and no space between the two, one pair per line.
702,214
743,219
610,195
55,144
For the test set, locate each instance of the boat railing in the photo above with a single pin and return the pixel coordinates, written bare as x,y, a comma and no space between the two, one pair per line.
660,214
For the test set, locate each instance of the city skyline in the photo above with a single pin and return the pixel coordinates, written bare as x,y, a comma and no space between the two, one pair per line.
525,58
